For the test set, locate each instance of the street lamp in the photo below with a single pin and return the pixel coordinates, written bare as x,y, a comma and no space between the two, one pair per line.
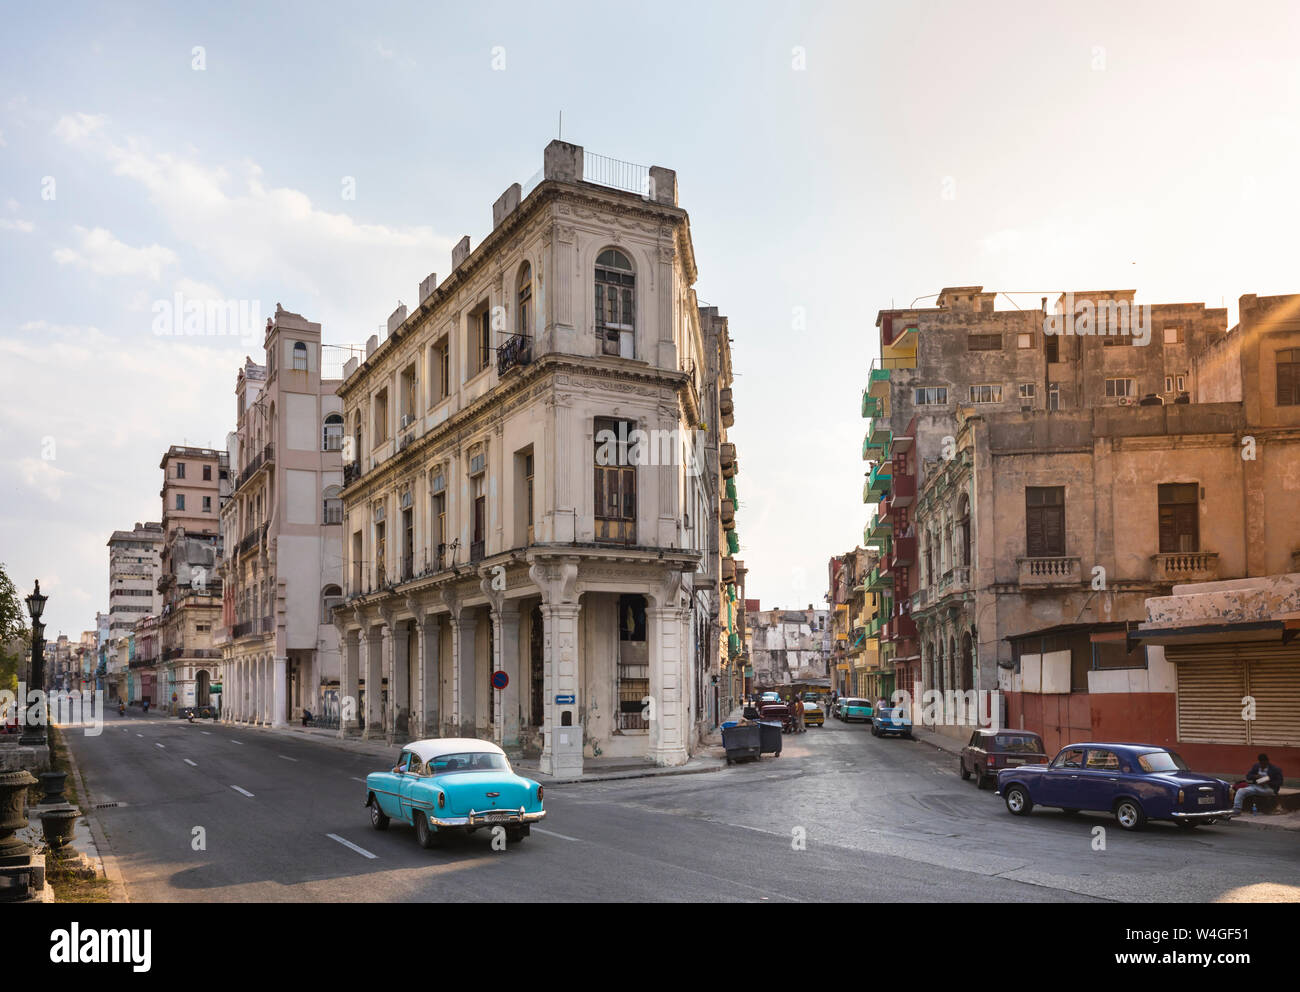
34,731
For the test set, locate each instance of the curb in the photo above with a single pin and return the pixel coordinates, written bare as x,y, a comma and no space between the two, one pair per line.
106,856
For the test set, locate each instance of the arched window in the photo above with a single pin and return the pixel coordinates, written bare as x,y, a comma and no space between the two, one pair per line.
330,597
524,319
332,438
299,357
356,439
616,303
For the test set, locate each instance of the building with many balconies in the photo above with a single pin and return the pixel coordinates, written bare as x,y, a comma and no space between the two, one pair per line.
531,529
281,567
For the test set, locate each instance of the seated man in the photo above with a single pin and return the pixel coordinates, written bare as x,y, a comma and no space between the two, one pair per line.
1267,779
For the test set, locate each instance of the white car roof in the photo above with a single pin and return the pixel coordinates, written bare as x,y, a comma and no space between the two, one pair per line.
436,747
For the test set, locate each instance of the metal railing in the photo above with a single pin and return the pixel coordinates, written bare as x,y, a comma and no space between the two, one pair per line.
476,550
605,171
264,457
518,351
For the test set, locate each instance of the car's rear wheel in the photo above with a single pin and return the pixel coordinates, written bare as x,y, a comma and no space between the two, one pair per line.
425,835
377,818
981,780
515,834
965,773
1018,801
1129,814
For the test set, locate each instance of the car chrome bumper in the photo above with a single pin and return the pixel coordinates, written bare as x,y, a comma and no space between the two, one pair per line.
490,818
1218,814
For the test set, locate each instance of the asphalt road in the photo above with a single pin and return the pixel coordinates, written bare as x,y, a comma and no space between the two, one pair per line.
841,815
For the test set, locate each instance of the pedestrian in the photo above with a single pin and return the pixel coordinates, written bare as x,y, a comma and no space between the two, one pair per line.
1266,780
797,710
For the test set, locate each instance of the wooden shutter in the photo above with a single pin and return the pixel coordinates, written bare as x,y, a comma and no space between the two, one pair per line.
1288,383
1034,532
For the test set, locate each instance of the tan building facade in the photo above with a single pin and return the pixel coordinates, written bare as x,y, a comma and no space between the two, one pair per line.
527,492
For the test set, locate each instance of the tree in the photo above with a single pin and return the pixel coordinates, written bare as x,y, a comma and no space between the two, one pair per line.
15,637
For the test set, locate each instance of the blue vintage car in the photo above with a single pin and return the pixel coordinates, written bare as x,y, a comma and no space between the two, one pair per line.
453,784
895,720
1136,782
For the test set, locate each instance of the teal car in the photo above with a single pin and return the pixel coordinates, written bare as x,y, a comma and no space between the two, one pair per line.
855,709
438,786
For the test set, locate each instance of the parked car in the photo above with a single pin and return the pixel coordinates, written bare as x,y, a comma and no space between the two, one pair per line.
987,751
813,715
895,720
776,712
852,709
770,697
450,784
1136,782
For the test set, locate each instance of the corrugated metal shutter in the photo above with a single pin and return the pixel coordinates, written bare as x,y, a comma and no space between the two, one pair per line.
1276,688
1213,679
1209,702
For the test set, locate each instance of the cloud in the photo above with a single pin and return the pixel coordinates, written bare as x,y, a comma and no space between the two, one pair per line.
41,475
75,127
250,232
24,226
105,255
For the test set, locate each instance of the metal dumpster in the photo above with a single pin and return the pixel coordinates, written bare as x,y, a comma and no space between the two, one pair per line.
770,737
741,742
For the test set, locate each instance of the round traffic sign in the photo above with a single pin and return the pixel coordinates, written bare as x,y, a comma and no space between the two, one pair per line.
500,680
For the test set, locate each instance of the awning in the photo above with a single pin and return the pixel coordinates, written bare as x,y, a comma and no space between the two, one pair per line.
1252,631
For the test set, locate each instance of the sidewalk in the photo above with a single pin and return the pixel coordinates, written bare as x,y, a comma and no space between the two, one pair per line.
1263,821
594,769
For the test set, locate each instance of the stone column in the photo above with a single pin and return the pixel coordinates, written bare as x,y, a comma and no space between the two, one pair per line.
279,692
350,684
399,680
507,700
464,686
430,709
371,660
667,689
560,678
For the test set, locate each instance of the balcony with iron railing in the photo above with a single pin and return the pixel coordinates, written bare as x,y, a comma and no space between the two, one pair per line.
250,628
251,540
871,405
515,353
264,457
477,550
879,479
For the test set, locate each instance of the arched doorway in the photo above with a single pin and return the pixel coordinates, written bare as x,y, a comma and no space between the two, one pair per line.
967,663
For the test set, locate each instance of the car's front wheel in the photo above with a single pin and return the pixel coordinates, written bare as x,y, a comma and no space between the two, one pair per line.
377,818
1129,814
1018,801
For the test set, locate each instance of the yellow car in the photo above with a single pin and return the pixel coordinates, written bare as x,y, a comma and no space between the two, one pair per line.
813,716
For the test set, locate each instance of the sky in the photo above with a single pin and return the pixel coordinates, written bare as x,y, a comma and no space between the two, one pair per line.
836,159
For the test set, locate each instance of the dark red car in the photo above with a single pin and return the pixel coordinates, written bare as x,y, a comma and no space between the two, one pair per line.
989,751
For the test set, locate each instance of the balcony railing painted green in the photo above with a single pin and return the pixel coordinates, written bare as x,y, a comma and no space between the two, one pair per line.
731,489
870,405
879,528
879,580
878,482
876,440
733,542
733,644
874,625
878,431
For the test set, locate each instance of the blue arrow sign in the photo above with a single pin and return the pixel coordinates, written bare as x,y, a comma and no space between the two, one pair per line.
568,700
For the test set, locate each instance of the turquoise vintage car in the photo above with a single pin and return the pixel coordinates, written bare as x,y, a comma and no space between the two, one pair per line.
855,709
453,784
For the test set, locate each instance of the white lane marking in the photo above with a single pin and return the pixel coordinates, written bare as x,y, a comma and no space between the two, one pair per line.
139,735
206,733
233,741
347,843
361,780
156,744
287,758
243,792
189,762
552,833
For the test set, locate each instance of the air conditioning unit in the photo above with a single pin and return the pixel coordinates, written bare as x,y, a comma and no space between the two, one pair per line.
1127,401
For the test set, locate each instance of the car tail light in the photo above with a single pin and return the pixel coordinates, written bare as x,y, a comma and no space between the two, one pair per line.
993,760
1181,797
539,793
442,800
